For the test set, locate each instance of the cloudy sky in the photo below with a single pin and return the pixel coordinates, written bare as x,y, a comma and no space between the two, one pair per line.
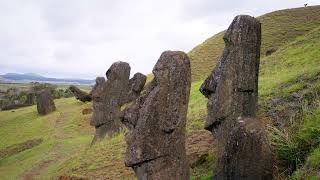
82,38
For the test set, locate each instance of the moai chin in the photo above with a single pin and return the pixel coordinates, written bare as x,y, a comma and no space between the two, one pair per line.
232,90
108,95
157,122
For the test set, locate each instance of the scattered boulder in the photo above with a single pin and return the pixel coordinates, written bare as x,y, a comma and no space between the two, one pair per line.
270,51
157,120
79,94
109,95
87,111
232,90
45,102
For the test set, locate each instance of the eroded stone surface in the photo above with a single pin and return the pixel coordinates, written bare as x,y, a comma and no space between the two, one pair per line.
232,87
243,151
157,120
45,102
109,95
232,90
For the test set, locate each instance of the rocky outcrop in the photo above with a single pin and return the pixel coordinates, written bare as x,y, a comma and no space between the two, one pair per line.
109,95
157,120
232,90
45,102
79,94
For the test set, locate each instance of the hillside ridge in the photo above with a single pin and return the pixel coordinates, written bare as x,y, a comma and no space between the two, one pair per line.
278,28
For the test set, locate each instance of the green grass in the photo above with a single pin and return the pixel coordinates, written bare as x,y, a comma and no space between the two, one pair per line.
294,145
297,58
26,86
62,131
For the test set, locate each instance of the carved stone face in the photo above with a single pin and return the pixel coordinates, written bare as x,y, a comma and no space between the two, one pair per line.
158,117
232,87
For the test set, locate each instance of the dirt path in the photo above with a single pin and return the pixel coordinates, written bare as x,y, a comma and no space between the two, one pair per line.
35,171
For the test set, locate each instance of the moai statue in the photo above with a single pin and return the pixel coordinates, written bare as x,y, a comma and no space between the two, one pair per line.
109,95
232,90
29,99
157,122
79,94
45,102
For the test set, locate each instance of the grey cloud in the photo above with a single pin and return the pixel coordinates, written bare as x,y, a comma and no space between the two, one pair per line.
81,38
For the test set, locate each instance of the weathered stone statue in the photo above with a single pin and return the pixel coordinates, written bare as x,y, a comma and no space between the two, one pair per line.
157,121
45,102
232,90
30,96
109,95
80,95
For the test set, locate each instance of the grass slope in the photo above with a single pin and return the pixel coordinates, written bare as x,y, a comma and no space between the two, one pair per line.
62,133
278,28
66,133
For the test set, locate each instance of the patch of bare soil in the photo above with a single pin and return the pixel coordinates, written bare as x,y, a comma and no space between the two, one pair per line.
199,145
35,171
17,148
41,166
65,177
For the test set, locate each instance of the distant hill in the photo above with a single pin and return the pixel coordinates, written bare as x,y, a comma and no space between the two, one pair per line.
278,28
28,77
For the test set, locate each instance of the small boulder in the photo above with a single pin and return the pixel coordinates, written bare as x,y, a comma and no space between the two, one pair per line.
87,111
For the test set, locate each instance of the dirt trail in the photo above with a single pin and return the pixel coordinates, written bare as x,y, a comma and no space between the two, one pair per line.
35,171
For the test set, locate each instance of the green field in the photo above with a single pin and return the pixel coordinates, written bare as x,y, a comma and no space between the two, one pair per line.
26,86
294,69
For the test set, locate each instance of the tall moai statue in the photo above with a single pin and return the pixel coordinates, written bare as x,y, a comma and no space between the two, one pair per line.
232,90
157,122
109,95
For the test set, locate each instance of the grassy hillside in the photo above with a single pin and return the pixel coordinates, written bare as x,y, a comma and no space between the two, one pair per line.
278,28
43,147
65,143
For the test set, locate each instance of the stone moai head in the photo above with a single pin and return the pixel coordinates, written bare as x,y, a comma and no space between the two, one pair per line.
110,94
157,120
118,71
232,87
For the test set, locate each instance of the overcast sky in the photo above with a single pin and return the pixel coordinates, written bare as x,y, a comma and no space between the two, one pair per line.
82,38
